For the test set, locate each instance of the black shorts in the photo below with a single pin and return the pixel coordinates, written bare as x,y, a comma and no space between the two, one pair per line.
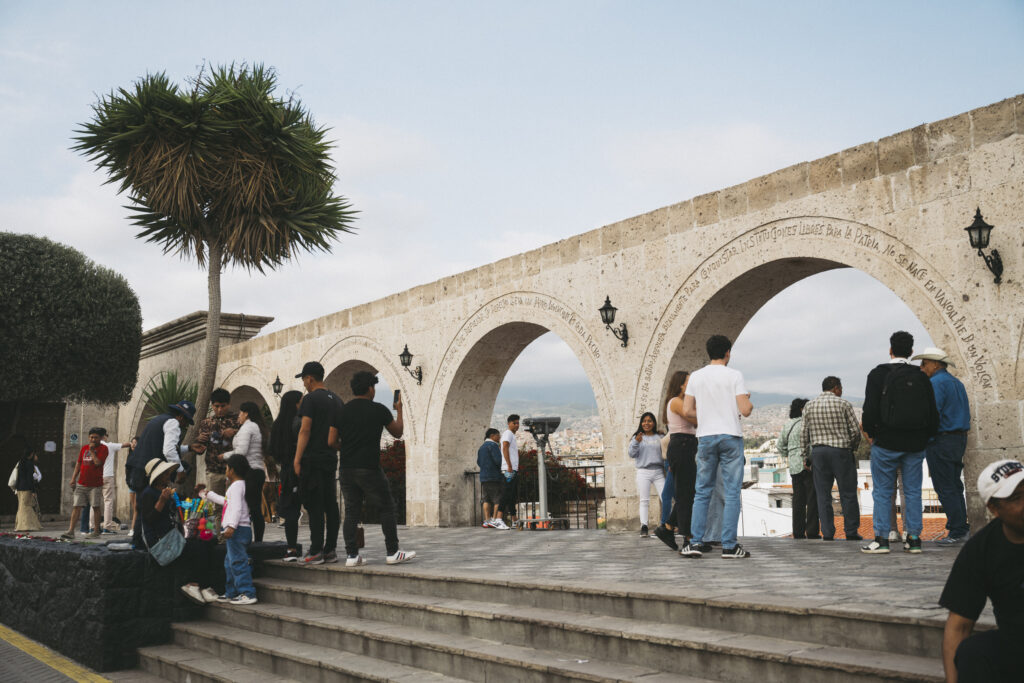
490,491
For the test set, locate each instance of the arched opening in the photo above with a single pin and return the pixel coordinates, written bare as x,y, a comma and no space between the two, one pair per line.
473,398
793,322
245,393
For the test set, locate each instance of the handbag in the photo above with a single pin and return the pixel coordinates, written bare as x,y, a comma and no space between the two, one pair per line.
168,548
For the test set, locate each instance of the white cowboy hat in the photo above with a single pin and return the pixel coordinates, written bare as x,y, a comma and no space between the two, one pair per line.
934,353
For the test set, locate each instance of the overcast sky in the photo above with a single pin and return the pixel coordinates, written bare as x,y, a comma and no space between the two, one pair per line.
467,131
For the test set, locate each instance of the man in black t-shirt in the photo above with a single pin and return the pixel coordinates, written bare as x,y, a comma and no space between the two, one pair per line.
315,463
357,429
990,566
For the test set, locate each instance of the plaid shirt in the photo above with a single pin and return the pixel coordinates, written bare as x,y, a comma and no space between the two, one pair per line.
210,435
829,421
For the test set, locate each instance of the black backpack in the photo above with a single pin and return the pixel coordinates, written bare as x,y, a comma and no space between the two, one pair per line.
905,403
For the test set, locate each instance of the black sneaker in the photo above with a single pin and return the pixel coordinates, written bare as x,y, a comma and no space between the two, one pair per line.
913,544
734,553
694,550
879,546
666,537
291,556
644,533
331,558
854,537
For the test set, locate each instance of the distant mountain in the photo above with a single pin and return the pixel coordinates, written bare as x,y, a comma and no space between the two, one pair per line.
576,399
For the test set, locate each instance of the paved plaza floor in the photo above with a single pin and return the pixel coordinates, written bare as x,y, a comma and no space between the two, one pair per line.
798,573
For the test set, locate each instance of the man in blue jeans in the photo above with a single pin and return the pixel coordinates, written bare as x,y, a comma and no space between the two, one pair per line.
945,452
899,418
715,398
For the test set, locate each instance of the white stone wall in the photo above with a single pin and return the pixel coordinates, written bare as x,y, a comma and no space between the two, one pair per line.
895,208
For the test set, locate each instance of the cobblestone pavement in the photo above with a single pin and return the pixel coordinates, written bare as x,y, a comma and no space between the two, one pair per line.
833,575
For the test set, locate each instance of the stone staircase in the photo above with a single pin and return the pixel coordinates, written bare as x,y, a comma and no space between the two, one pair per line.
379,623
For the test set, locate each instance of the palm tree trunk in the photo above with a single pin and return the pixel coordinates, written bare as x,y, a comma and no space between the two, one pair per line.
209,371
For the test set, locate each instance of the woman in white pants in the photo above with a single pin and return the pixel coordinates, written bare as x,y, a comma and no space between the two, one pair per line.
645,450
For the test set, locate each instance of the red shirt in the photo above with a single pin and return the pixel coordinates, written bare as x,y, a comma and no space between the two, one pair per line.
91,473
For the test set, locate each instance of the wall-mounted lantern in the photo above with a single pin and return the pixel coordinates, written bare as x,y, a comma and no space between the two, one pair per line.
978,232
277,386
608,317
406,358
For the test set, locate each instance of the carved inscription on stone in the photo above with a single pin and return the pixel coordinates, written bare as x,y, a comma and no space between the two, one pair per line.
529,300
826,231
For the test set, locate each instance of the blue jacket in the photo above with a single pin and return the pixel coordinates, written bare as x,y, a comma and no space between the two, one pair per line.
488,458
951,400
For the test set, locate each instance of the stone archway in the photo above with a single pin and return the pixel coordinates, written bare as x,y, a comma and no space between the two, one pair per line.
470,376
727,288
350,355
249,383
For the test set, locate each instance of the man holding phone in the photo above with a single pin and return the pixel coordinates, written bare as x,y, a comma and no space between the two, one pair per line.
357,431
87,482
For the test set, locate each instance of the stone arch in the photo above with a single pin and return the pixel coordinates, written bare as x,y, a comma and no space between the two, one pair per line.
469,377
249,383
727,288
352,354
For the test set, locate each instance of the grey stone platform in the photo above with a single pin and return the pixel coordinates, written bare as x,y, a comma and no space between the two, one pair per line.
482,604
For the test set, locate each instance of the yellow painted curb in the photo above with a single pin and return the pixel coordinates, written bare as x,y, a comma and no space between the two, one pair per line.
50,658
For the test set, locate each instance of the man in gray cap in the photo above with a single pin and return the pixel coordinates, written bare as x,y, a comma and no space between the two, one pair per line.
945,451
990,566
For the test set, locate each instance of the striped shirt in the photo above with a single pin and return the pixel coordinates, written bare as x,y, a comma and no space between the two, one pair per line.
829,421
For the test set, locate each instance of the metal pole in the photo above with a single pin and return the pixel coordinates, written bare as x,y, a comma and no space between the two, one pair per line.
542,479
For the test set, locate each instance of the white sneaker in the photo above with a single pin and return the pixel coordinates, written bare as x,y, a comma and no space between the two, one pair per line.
209,595
354,561
194,594
894,536
243,600
500,524
400,556
488,524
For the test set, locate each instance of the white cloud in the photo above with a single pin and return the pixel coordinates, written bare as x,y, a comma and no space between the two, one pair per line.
684,162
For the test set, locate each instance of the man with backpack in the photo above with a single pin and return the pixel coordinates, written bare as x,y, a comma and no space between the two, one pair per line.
899,419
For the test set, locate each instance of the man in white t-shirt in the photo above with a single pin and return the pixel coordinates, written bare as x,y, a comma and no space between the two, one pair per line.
110,484
510,469
715,399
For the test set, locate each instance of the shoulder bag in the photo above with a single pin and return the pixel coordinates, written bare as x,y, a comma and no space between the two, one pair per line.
168,548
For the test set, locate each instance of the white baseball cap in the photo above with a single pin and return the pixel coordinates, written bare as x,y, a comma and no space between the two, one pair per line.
1000,479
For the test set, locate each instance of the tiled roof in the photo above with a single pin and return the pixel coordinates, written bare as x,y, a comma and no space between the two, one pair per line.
934,527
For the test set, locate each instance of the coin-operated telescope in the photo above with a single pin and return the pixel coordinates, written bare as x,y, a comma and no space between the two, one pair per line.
542,428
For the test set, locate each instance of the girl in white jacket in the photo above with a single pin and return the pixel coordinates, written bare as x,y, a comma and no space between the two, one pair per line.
645,450
239,589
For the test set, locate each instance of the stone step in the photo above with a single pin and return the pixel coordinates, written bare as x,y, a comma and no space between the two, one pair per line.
282,659
907,631
465,657
180,665
328,615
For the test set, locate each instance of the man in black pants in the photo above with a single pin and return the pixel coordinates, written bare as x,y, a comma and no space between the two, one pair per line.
989,567
315,464
357,430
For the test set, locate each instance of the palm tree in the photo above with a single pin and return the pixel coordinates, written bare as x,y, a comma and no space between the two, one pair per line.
223,172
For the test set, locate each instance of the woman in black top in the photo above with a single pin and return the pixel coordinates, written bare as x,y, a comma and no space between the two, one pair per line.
284,435
27,481
158,512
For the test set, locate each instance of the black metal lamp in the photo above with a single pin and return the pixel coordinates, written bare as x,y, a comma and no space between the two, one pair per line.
277,386
406,359
978,232
608,317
